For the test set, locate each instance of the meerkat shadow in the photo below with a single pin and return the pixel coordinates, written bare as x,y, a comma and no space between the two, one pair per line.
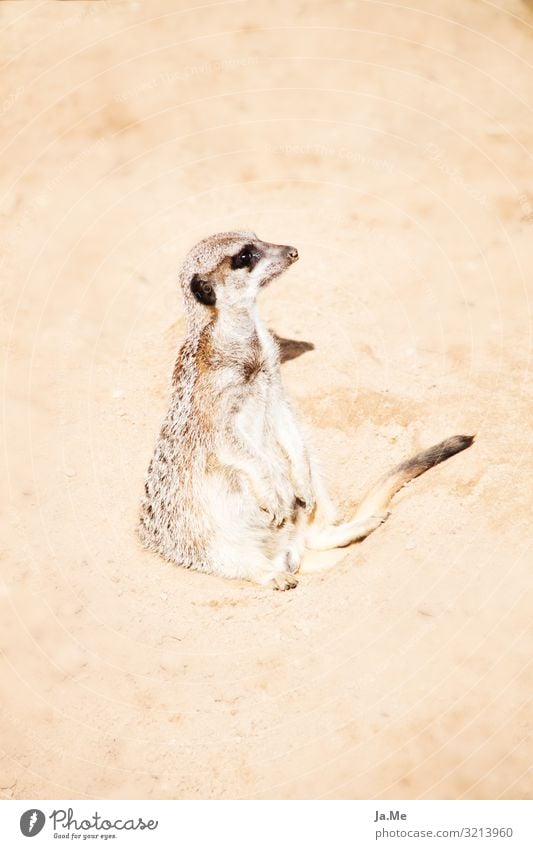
291,348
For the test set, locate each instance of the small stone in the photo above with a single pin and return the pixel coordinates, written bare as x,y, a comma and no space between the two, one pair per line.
163,596
410,546
69,472
118,393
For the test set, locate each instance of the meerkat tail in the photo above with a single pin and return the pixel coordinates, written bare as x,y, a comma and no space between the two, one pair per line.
379,497
372,511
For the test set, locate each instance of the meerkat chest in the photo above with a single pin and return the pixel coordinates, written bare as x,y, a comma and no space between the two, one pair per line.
258,410
252,378
255,410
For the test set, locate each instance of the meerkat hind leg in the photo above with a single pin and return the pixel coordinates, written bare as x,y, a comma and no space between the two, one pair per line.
326,544
296,544
322,538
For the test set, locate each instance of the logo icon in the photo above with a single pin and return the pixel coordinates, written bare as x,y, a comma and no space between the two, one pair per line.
32,822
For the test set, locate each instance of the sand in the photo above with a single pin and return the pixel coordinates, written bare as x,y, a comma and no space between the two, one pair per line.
391,143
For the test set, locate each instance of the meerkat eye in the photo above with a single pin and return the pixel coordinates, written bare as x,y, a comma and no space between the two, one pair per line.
245,258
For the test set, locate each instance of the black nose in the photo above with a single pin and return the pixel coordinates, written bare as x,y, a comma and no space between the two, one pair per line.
293,254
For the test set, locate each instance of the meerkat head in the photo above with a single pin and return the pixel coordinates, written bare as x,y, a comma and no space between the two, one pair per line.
226,271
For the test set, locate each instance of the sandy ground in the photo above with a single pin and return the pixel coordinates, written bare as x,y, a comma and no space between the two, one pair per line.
391,142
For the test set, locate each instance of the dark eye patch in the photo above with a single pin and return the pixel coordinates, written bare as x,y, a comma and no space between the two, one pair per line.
247,257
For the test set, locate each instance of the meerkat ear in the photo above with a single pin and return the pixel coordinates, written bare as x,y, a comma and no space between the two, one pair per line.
203,291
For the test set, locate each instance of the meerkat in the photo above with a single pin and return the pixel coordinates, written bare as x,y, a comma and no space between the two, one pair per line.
232,488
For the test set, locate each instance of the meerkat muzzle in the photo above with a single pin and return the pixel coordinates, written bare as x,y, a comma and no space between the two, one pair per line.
292,253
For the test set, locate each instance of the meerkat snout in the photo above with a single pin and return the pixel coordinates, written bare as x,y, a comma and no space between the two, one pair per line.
277,258
293,254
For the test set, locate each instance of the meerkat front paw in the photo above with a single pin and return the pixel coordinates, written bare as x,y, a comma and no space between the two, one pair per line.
277,514
304,493
307,502
281,508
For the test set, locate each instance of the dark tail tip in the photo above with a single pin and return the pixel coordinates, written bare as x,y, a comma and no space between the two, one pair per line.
455,444
436,454
439,453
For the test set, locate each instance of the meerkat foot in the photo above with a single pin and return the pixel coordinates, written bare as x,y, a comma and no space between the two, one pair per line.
283,581
378,518
277,580
277,515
